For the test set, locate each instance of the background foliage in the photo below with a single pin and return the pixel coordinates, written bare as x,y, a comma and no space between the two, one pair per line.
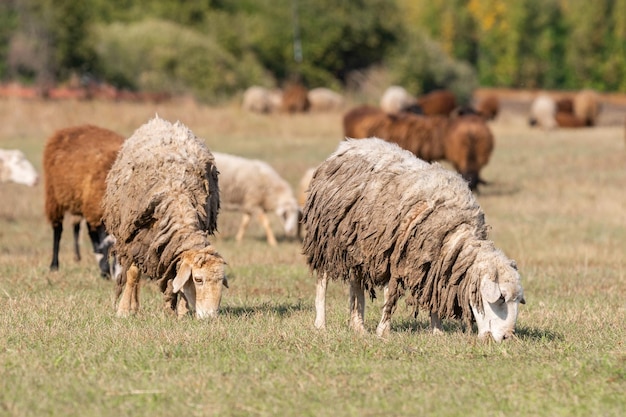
214,48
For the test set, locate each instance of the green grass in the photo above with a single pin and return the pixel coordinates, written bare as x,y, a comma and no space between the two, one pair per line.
556,206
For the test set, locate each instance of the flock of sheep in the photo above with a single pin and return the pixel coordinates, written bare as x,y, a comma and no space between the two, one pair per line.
379,214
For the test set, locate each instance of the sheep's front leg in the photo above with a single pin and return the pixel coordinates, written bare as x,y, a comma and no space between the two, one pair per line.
435,323
320,301
129,304
357,306
271,240
245,220
385,320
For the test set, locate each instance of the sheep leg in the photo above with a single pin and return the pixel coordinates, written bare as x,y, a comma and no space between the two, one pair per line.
129,304
57,230
245,220
271,240
385,320
77,241
357,306
320,301
435,323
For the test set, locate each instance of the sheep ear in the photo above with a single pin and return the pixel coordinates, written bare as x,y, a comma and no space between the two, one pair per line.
490,290
183,275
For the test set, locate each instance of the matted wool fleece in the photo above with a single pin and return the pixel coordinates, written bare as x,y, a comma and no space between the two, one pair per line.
162,198
378,214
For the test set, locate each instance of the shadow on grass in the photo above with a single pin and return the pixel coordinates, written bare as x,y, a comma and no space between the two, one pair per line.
281,310
531,333
415,325
497,189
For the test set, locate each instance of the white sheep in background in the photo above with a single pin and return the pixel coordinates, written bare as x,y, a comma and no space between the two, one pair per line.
543,111
253,187
325,99
161,206
378,217
258,99
14,167
395,99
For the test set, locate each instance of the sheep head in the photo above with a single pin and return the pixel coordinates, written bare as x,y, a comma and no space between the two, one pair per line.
500,291
200,277
289,214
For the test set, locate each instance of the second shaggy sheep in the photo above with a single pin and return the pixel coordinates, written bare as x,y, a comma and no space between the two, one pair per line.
253,187
378,217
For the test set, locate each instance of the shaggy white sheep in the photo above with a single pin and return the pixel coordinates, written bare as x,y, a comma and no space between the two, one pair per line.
253,187
378,217
14,167
395,99
161,205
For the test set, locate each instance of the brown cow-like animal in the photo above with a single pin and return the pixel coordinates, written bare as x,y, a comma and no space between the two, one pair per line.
295,98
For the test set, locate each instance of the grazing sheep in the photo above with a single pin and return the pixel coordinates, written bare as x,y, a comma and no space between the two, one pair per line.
587,106
295,98
161,205
464,141
76,161
437,102
261,100
395,99
488,106
542,112
253,187
378,217
324,99
14,167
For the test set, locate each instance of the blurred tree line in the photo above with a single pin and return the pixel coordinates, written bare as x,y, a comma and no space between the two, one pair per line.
214,48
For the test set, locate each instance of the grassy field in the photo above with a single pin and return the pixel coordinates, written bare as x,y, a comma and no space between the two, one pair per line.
556,205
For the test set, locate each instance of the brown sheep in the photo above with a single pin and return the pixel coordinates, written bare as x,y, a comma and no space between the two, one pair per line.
295,99
565,119
465,141
565,105
76,161
587,106
438,102
488,107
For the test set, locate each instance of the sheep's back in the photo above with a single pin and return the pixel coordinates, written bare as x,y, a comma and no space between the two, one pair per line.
76,161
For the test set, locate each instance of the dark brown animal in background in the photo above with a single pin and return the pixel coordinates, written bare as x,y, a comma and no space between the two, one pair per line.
565,119
437,102
464,141
295,98
488,106
565,105
76,161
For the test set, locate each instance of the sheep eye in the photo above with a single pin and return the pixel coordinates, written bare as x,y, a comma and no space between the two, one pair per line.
198,280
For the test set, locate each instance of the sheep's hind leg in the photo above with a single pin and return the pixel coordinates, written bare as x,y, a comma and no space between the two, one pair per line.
320,301
57,231
129,304
357,306
435,323
242,227
76,232
271,240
